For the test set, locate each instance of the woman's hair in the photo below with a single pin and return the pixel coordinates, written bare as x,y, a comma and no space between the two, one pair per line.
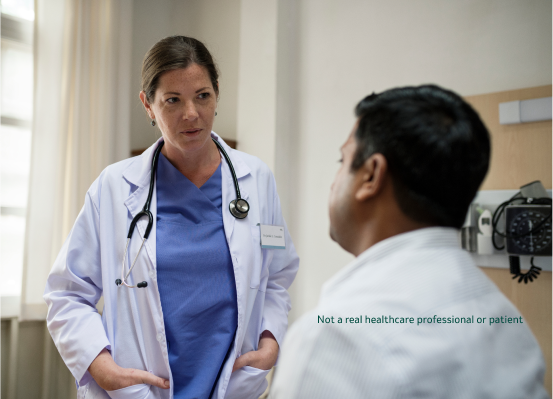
175,52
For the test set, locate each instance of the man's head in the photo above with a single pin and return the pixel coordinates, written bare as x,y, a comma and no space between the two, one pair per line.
423,147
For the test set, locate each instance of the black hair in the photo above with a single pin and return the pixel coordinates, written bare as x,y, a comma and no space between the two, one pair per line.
436,147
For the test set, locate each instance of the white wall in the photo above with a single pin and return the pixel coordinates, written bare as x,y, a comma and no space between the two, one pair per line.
217,24
150,24
258,79
349,49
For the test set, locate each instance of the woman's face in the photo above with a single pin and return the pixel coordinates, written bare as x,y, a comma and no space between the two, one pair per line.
184,108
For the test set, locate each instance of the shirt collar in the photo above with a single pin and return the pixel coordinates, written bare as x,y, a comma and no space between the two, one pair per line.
428,238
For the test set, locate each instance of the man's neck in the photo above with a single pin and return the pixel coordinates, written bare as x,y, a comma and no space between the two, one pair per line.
381,229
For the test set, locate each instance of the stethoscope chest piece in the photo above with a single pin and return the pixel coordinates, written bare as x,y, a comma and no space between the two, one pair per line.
239,208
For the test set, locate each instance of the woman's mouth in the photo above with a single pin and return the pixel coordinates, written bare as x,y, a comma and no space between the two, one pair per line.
192,131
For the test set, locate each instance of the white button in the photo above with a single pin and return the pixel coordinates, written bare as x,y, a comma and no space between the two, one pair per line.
152,274
160,337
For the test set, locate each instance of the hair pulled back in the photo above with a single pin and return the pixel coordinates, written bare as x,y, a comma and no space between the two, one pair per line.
175,52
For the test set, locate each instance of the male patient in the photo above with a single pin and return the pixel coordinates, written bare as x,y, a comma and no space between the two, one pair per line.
415,310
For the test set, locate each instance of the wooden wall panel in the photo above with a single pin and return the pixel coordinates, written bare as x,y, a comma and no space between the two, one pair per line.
521,153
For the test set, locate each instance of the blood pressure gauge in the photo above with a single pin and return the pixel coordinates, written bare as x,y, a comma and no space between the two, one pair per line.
528,229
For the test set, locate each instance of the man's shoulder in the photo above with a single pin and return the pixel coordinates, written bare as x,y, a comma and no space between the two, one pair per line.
417,280
394,296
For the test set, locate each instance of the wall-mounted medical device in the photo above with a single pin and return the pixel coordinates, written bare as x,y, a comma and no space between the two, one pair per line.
535,110
505,226
529,230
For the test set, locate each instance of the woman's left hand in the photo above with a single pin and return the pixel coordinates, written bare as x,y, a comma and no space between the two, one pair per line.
264,357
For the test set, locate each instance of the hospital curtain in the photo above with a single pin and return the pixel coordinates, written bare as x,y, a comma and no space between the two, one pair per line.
81,122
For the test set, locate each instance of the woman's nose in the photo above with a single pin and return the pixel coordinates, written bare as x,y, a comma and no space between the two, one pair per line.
190,111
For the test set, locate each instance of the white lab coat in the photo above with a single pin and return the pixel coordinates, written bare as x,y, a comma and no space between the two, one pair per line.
131,325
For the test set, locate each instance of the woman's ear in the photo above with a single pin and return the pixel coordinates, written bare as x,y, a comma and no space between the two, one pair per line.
372,175
147,105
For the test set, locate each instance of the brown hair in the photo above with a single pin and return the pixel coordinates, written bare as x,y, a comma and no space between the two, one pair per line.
175,52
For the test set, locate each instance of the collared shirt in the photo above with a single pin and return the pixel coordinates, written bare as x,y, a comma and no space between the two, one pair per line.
449,349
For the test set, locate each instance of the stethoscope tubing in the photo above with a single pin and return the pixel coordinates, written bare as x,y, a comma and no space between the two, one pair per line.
231,167
123,276
237,211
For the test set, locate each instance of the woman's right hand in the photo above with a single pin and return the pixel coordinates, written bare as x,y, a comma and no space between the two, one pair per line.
109,376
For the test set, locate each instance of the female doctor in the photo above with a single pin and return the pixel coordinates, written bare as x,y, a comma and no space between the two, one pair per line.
194,307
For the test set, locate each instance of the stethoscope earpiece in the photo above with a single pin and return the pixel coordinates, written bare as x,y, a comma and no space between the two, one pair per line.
239,208
143,284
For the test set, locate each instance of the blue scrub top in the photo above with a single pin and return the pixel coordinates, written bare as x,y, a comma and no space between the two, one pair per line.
195,279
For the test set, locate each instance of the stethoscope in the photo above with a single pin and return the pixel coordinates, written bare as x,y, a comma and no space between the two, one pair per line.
238,208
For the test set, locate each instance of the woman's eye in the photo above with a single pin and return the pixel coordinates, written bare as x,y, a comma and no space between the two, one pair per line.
203,96
172,100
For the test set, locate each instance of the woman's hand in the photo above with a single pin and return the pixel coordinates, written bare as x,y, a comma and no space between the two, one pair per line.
109,376
264,357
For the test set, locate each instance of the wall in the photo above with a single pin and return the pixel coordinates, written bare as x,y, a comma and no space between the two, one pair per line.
216,23
521,153
350,49
257,79
5,356
150,24
39,369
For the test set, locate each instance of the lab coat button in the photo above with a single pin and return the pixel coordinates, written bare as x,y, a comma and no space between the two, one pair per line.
160,337
152,274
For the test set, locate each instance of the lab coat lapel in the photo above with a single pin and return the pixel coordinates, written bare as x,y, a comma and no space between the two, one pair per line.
138,175
228,191
240,243
228,194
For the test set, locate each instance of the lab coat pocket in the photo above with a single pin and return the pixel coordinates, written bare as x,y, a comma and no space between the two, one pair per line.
257,257
138,391
247,383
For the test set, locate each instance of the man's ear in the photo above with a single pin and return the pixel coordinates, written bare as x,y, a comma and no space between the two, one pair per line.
372,174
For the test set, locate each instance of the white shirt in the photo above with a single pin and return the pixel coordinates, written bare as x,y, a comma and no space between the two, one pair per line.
131,325
422,273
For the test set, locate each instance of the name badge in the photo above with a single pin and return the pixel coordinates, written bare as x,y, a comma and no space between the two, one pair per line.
272,237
